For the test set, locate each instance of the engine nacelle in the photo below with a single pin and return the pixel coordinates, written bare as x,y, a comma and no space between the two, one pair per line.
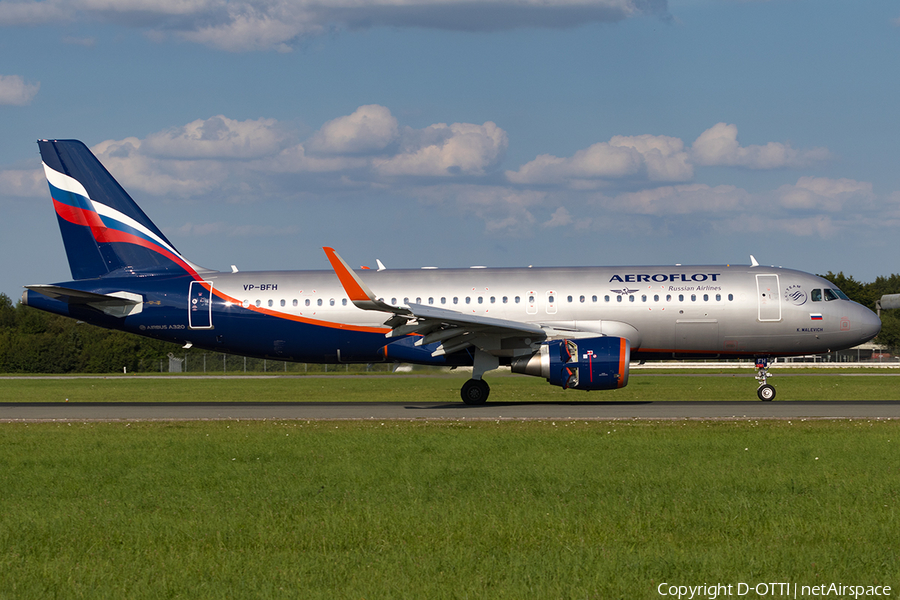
583,364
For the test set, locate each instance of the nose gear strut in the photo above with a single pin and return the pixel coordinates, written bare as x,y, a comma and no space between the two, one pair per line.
765,392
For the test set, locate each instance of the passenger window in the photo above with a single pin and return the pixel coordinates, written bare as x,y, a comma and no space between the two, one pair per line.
531,299
631,298
517,299
606,298
331,302
568,298
706,297
730,297
295,302
468,300
319,302
406,301
619,298
343,302
668,297
418,300
282,302
480,300
307,302
551,299
656,297
581,298
431,300
493,300
443,300
718,297
593,298
681,297
259,303
455,299
505,300
644,298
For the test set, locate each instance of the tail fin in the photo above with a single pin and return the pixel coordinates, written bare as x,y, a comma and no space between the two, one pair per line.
103,229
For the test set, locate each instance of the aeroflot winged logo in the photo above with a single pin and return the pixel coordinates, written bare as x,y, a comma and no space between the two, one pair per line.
664,277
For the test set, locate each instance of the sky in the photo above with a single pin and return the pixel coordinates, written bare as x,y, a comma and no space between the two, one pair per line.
453,133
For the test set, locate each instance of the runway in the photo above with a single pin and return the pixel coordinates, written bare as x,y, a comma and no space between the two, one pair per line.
168,411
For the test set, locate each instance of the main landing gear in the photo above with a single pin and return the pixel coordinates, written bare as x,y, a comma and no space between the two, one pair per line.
765,392
476,390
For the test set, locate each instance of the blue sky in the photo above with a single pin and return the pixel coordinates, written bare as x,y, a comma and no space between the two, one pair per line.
455,133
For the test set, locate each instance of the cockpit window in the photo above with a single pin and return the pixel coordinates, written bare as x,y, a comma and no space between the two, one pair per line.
831,295
841,294
815,295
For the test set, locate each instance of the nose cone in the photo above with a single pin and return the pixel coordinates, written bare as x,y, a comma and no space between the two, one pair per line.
868,323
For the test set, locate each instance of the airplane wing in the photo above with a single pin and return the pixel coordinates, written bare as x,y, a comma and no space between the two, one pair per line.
454,330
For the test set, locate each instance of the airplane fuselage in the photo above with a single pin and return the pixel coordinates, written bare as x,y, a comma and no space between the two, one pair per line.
664,311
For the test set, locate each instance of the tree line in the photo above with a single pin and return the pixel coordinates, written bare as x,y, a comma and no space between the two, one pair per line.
33,341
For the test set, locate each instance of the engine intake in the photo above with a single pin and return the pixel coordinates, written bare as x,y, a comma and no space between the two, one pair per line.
584,364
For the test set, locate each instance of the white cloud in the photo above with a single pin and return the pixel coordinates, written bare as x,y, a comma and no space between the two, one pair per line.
217,137
821,193
504,210
14,90
680,200
655,158
136,170
33,13
238,25
718,146
253,159
442,150
23,182
369,129
559,218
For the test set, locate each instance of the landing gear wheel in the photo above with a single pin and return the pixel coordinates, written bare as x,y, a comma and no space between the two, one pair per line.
475,391
766,392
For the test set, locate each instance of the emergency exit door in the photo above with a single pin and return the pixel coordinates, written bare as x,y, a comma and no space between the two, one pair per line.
768,297
200,305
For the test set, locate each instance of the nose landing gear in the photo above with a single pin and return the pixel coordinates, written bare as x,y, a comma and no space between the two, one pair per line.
765,391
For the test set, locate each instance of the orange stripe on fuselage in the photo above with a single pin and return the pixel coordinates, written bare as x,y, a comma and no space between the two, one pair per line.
297,318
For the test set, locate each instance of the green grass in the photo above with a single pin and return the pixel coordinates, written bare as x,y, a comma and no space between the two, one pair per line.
444,388
443,509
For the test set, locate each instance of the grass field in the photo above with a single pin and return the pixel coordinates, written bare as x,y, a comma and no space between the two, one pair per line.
729,385
443,509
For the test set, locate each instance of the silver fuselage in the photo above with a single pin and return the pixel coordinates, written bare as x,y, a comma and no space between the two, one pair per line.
663,311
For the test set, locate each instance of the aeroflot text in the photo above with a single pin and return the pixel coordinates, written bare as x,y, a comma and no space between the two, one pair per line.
662,277
773,590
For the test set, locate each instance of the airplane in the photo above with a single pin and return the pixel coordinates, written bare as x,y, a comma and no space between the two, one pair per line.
577,327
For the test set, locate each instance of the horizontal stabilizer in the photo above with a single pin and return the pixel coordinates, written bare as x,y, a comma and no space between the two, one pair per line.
115,304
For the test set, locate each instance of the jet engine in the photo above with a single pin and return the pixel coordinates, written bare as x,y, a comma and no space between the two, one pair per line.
599,363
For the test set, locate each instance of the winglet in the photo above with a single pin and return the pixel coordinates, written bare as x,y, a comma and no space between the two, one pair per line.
358,292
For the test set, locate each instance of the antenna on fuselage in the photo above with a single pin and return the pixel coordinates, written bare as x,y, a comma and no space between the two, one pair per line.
380,264
753,262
